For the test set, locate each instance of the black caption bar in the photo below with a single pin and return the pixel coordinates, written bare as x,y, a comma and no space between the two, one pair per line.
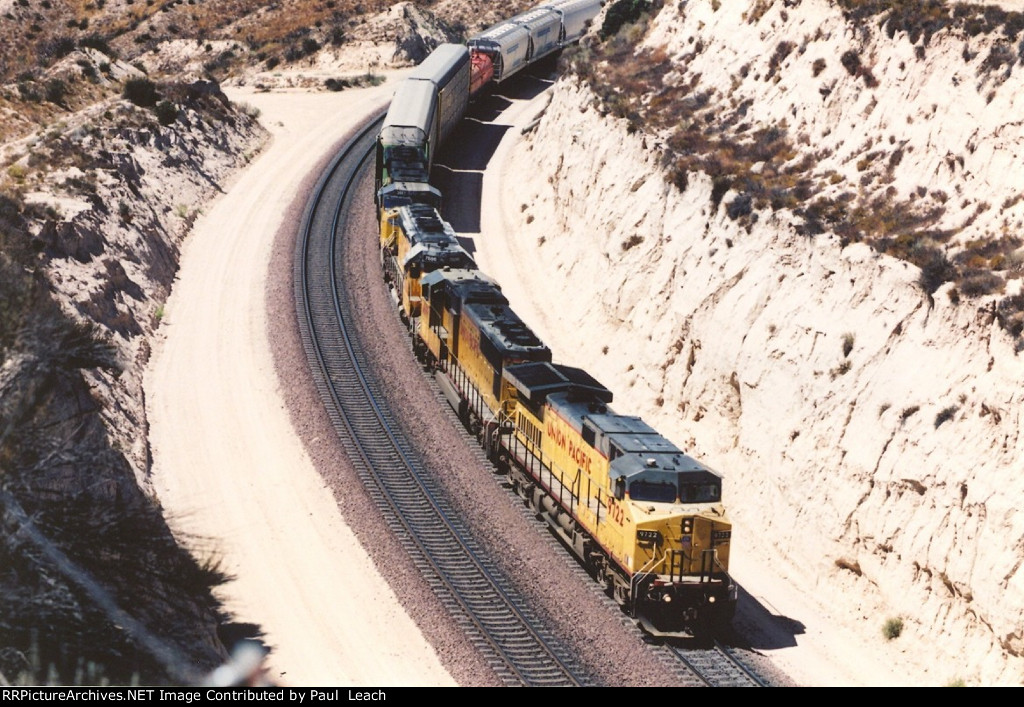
183,695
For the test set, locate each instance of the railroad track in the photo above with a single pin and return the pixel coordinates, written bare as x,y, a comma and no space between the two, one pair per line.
494,616
715,666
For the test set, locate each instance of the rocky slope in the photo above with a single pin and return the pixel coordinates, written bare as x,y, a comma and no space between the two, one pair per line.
865,408
96,209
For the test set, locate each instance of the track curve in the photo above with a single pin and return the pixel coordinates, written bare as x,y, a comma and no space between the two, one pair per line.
482,601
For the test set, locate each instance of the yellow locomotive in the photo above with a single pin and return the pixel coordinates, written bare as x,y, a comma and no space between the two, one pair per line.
415,241
469,334
646,518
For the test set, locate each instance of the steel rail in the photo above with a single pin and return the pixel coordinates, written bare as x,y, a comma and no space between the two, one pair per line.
484,602
716,666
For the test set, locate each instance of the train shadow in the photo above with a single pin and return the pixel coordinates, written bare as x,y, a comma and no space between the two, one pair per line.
757,627
527,85
474,147
462,192
458,169
531,83
488,108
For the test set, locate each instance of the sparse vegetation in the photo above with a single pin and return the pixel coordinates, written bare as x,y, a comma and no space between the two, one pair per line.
847,343
166,112
56,90
631,242
945,414
852,63
764,168
17,172
892,628
842,369
141,91
908,411
623,12
367,79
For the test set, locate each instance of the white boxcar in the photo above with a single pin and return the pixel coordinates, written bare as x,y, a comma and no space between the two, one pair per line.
545,28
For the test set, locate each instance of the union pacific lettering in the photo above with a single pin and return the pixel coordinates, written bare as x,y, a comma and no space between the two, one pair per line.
575,448
469,336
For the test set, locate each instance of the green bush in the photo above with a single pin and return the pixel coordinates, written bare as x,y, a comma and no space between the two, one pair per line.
892,628
98,42
945,415
631,242
141,92
623,12
166,112
847,344
55,91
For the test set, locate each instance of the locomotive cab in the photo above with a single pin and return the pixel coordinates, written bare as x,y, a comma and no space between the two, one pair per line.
679,554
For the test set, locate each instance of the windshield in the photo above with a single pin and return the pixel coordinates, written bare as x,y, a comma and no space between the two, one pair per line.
658,491
700,493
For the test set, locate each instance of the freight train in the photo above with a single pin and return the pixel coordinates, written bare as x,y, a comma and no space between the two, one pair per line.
645,518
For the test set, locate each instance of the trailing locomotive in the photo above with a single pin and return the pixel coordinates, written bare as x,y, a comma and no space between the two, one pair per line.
415,241
645,518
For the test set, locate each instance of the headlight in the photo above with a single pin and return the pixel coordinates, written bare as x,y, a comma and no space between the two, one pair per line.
687,526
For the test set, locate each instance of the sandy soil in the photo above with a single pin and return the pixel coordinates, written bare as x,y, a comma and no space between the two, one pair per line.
229,465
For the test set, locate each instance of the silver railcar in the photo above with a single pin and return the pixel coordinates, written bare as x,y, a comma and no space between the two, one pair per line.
576,16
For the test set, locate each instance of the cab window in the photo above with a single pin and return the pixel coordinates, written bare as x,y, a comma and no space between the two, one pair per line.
700,493
657,491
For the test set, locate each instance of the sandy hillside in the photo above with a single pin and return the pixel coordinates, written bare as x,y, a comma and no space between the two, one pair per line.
869,430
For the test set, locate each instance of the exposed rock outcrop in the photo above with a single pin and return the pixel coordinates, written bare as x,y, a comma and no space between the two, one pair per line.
92,231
